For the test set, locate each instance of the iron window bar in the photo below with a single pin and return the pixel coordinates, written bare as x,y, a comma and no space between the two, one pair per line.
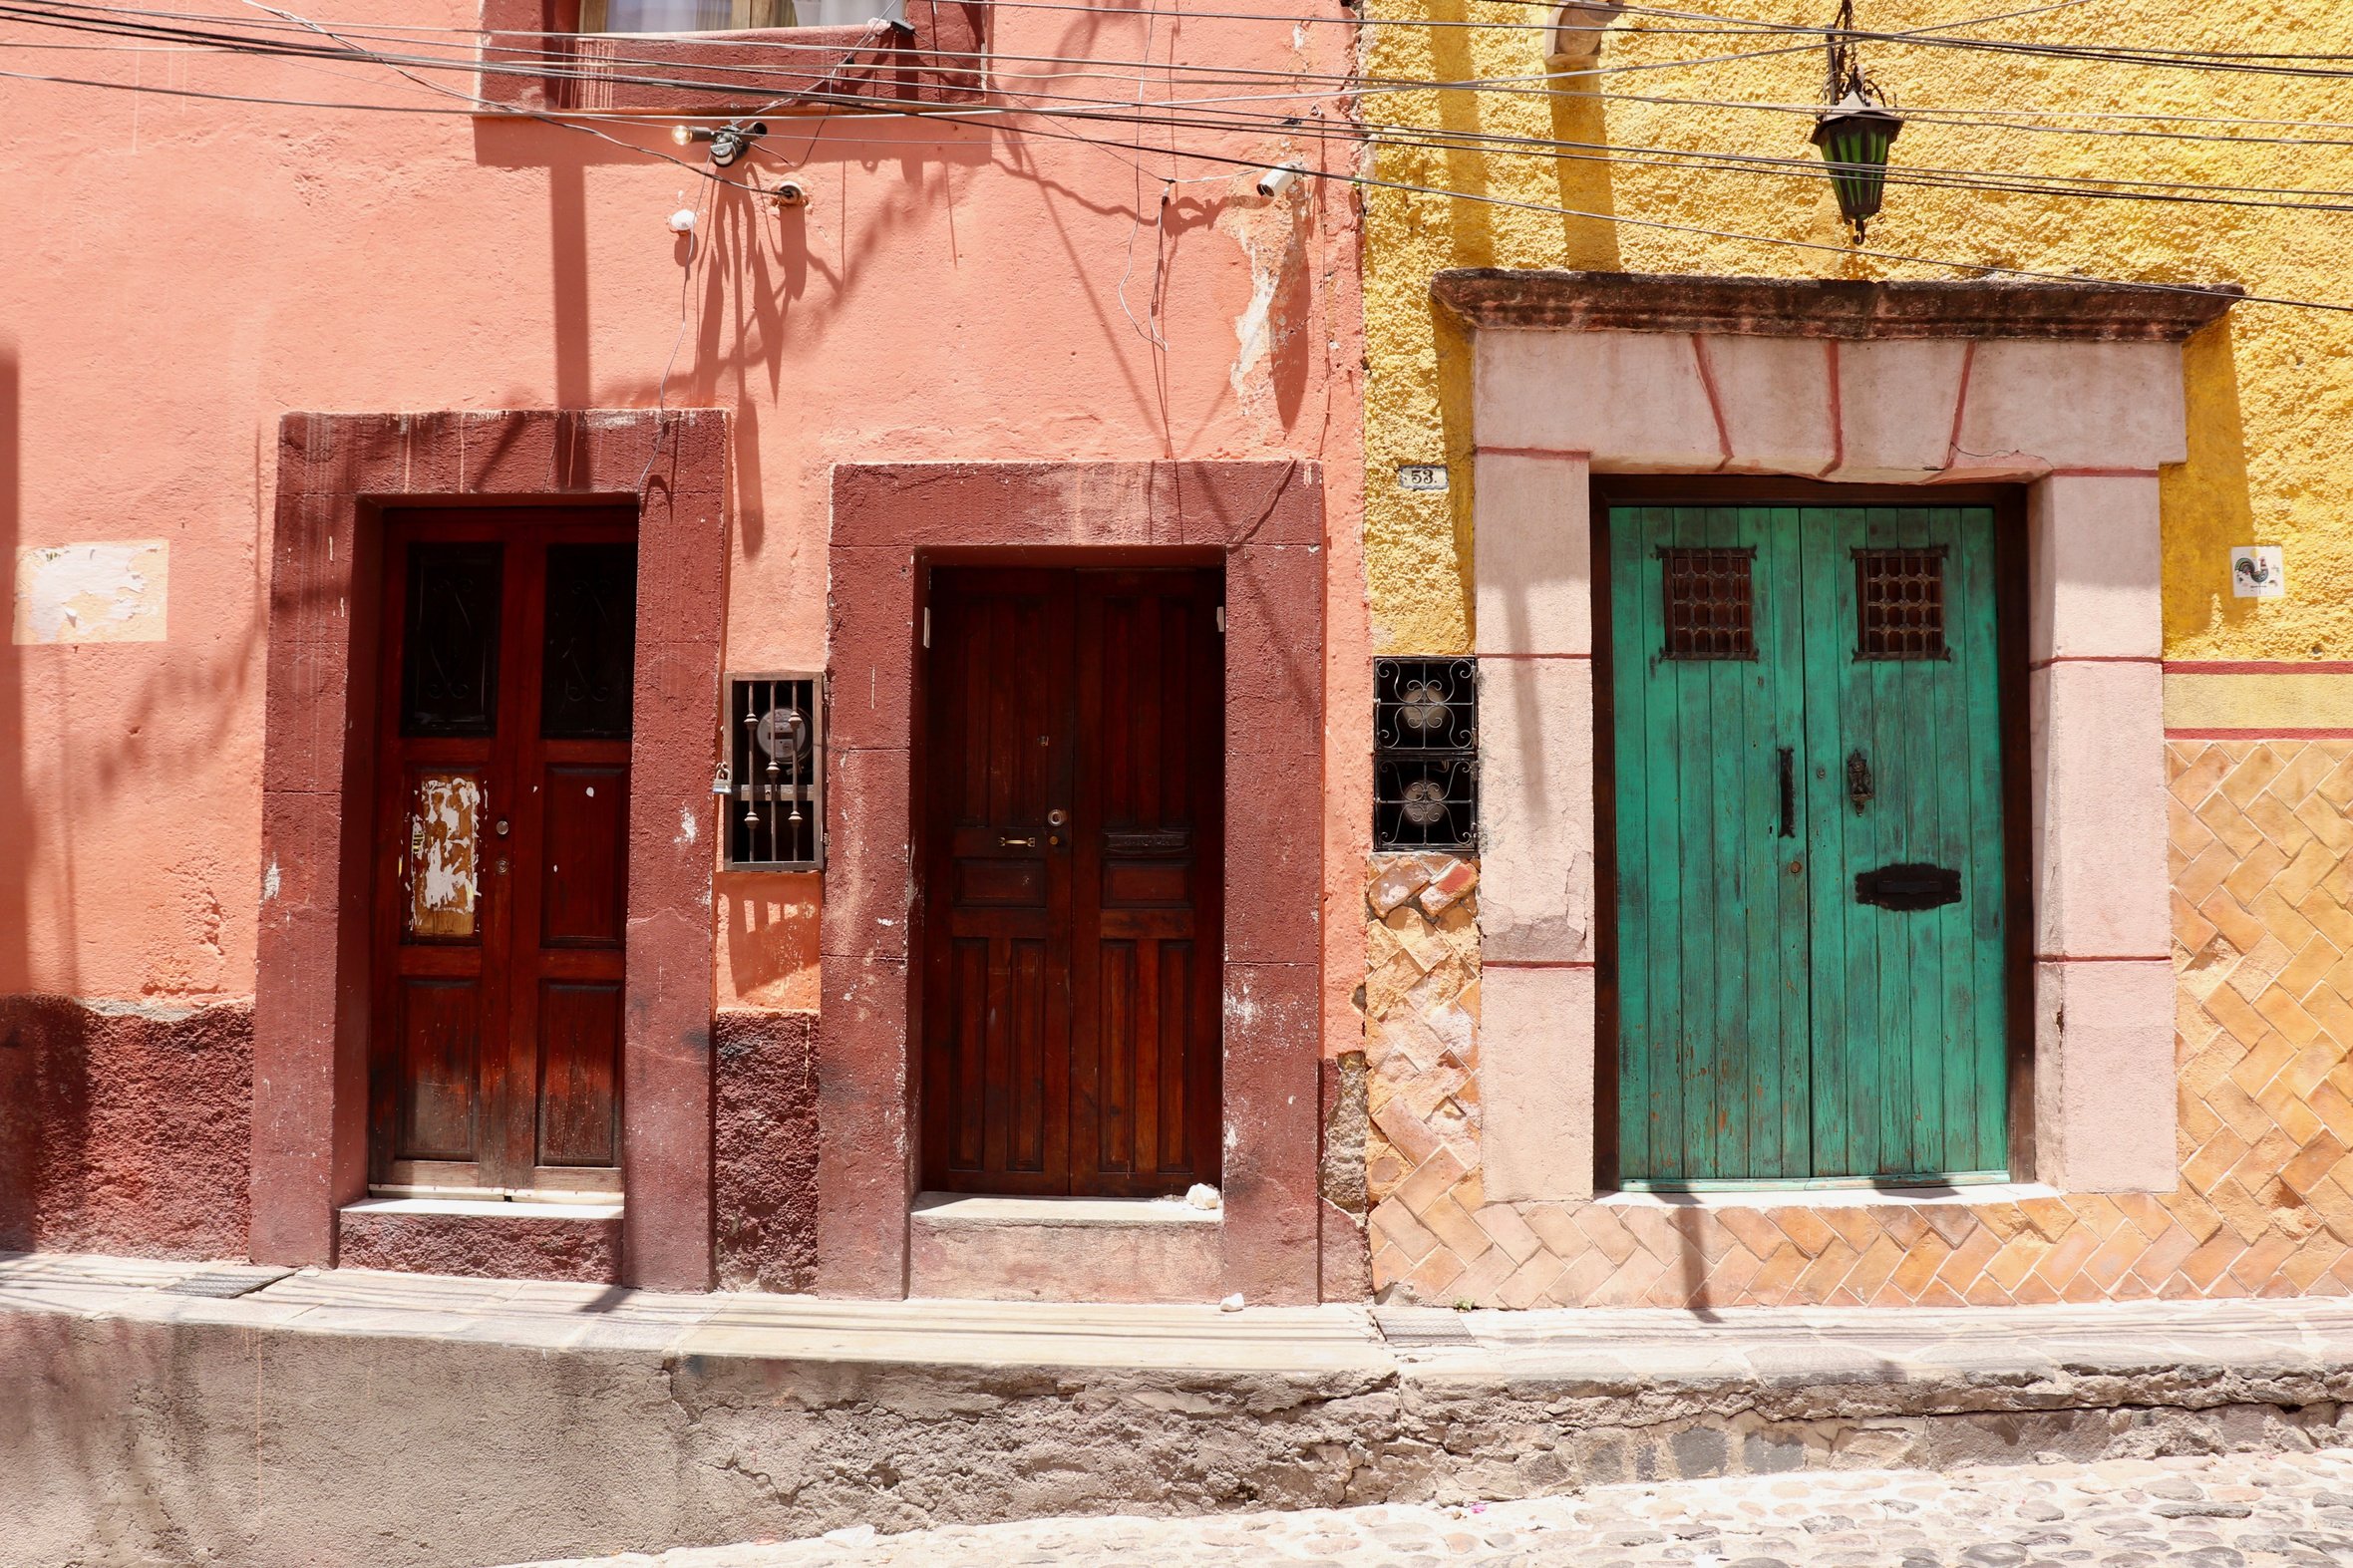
1424,755
771,773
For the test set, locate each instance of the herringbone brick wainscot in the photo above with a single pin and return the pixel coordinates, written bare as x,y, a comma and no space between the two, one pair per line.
2263,898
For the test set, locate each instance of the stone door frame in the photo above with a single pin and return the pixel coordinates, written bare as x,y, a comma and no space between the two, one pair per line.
336,475
1265,521
2072,393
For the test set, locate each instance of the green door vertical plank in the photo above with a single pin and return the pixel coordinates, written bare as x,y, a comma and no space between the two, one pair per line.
1979,1075
1844,978
1633,610
1773,1027
1711,929
1908,1030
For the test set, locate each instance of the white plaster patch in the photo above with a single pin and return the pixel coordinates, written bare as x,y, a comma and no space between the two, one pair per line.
113,591
688,833
269,883
1252,327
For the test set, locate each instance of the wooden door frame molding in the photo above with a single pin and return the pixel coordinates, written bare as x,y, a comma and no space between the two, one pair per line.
2009,505
336,475
1265,522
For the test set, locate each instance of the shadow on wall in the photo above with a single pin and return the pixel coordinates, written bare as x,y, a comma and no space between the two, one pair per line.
16,817
1587,242
2206,502
1588,232
18,1132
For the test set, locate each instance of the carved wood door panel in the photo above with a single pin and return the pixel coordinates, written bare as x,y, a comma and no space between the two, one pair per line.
501,851
1073,839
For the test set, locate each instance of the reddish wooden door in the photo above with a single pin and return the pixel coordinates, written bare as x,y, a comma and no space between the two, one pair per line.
502,839
1073,839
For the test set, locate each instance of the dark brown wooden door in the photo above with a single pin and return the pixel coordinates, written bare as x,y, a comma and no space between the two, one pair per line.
1073,838
501,850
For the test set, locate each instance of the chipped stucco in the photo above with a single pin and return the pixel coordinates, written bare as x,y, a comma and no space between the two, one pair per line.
443,860
111,591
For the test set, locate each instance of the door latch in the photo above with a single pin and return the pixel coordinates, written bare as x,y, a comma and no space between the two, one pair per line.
1788,791
1858,780
1008,841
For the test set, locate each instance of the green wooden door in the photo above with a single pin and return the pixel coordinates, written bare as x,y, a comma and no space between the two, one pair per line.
1811,899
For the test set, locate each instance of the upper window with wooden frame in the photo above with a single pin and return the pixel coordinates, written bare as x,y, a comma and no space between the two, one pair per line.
708,58
729,16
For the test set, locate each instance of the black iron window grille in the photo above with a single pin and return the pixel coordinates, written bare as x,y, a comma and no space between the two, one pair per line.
1710,599
1900,603
1425,753
772,783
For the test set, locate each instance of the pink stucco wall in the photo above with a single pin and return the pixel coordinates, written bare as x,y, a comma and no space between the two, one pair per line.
184,271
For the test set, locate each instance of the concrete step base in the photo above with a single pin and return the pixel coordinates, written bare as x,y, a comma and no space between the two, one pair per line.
407,1420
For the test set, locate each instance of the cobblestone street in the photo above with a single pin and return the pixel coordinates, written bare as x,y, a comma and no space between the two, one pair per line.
2223,1512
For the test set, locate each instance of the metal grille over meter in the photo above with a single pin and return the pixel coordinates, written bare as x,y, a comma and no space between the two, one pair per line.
1424,755
772,783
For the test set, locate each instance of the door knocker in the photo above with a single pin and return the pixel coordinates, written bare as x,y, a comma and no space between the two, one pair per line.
1858,780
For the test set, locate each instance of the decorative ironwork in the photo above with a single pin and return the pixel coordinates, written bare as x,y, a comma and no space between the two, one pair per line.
450,640
590,654
1858,780
1425,753
1710,603
1900,603
1426,705
772,779
1857,130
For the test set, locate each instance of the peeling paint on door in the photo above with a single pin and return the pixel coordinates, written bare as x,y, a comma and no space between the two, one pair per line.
443,870
105,592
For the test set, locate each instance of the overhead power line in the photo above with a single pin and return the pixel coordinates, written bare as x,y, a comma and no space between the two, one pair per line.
1103,111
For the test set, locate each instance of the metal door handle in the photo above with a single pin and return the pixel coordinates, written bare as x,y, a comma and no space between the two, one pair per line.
1008,841
1788,792
1858,779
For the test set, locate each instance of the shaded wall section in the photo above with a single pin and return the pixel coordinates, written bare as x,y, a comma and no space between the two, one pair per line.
765,1208
123,1130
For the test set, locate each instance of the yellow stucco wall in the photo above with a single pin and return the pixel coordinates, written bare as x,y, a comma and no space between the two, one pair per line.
2269,391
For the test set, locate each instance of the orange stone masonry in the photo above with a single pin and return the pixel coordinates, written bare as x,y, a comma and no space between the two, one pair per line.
2263,900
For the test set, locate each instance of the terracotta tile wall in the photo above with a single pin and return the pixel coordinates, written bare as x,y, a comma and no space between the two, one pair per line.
2262,897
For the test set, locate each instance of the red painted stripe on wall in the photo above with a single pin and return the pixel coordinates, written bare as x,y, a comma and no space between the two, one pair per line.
2260,666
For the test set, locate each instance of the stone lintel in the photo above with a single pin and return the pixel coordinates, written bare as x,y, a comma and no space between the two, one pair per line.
2105,312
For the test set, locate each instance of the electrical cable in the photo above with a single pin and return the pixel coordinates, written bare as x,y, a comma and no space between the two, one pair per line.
1394,136
936,112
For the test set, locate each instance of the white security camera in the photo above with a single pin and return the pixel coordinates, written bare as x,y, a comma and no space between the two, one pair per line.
1277,180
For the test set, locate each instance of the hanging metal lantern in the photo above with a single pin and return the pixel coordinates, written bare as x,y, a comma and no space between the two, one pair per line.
1856,132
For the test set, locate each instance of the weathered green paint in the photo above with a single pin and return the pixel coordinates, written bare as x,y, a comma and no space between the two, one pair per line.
1772,1028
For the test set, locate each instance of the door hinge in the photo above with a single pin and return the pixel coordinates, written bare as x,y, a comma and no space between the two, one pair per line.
927,626
1222,620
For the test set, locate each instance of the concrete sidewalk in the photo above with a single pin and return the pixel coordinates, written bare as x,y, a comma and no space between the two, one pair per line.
400,1418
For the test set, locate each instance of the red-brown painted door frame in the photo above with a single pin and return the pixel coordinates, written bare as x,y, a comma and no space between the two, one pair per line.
336,473
1263,518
